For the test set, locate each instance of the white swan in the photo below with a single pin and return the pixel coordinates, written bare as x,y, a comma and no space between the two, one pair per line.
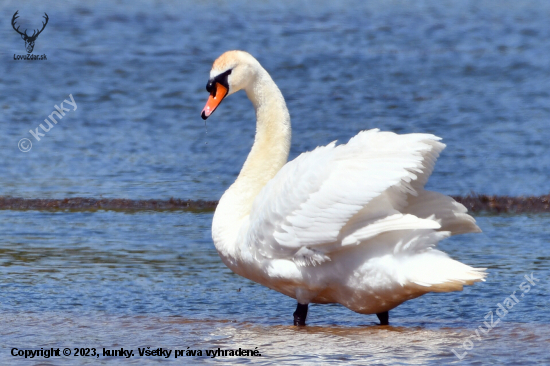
349,224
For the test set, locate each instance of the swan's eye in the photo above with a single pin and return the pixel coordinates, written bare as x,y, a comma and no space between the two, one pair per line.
221,78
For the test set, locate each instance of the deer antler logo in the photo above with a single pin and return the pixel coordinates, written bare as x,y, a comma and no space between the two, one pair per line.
29,40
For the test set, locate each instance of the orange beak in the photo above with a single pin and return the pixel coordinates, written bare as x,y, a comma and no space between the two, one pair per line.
218,93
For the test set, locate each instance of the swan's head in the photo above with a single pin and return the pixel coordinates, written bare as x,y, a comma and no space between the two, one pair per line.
231,72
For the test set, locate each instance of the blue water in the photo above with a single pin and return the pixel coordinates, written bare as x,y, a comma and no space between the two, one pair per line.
475,73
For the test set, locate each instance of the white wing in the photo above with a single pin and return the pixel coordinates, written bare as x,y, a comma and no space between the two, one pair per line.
342,195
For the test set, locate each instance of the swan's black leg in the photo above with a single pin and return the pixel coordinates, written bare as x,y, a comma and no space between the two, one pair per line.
300,314
384,318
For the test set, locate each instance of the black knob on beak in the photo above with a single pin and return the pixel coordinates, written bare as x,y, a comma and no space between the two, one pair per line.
210,85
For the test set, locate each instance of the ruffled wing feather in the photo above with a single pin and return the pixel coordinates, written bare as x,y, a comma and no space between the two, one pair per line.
341,195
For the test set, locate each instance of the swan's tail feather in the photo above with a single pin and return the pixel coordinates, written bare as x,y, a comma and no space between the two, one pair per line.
418,266
435,271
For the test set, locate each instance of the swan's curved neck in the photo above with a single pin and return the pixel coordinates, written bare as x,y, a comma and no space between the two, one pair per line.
268,155
272,141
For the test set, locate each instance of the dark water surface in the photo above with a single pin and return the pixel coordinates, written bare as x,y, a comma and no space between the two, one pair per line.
476,73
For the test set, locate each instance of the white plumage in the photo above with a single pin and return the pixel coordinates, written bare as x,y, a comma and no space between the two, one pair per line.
346,223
